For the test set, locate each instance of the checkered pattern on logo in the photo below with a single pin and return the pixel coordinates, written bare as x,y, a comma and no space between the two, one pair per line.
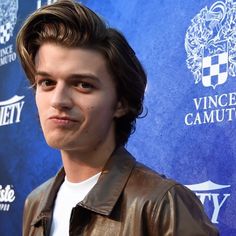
214,69
5,33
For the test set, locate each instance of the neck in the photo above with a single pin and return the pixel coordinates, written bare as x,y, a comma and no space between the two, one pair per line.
81,165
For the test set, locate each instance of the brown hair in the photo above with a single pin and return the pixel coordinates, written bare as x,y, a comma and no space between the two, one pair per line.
73,25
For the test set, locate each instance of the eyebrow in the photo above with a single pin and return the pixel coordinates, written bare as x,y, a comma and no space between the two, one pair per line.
70,76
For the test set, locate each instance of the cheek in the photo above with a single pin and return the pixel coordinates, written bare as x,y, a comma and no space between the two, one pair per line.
38,98
98,115
102,108
37,102
40,104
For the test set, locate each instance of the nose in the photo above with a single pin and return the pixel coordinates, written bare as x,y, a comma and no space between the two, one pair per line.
61,97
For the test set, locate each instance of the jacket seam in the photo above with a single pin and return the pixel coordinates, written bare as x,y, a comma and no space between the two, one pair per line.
154,212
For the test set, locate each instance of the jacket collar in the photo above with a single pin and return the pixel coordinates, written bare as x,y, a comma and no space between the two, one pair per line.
104,195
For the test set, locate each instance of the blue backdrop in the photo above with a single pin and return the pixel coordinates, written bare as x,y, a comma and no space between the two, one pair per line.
188,49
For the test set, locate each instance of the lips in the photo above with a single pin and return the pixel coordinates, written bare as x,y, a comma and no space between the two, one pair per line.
63,120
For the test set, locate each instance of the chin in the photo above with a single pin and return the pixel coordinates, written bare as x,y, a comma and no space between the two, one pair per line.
61,145
55,143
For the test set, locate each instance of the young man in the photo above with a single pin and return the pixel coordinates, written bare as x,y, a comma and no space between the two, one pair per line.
89,89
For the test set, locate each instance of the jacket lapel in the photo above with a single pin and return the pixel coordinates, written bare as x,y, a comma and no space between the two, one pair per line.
104,195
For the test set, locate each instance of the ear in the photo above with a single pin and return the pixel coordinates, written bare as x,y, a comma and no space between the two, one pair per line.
121,109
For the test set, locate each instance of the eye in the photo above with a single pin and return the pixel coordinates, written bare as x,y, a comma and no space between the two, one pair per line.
45,83
84,86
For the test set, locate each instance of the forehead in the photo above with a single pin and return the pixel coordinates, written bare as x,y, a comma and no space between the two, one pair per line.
60,61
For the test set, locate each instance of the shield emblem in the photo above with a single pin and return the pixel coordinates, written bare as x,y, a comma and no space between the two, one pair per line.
5,32
215,64
8,18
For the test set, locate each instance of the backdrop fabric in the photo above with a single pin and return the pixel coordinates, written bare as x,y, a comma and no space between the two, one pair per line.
188,49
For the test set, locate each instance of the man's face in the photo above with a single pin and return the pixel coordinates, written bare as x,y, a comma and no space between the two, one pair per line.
75,97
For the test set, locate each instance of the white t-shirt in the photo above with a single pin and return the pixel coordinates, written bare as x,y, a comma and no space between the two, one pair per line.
69,195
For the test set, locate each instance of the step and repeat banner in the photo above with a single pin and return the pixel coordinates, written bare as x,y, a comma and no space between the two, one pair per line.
188,49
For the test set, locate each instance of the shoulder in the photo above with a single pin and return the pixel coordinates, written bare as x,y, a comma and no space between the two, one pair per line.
46,189
35,198
146,181
40,191
167,204
154,187
156,191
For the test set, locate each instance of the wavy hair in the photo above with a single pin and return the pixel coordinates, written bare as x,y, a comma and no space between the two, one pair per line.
71,24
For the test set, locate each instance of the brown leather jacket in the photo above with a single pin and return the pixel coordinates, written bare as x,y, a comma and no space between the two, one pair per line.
129,199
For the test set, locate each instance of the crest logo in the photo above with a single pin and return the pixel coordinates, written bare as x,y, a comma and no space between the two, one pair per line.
210,43
8,17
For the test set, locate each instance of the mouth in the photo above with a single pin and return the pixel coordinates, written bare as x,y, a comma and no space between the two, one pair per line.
63,120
